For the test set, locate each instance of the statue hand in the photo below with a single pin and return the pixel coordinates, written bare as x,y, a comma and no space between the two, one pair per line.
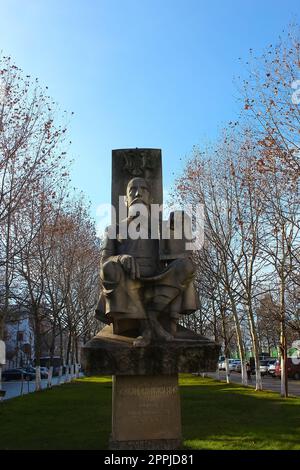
130,265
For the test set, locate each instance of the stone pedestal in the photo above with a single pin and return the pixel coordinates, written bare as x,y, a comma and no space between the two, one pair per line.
111,354
146,404
146,413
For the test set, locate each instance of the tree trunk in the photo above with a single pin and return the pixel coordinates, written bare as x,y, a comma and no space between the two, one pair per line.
255,347
283,343
69,345
226,351
4,310
37,346
76,350
239,341
61,341
52,345
215,336
283,361
50,375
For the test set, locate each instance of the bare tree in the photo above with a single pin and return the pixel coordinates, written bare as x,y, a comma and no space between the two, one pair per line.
30,151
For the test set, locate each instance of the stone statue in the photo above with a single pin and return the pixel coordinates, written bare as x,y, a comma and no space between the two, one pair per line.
143,295
147,277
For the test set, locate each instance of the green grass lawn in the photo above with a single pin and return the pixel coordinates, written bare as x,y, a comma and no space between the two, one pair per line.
215,415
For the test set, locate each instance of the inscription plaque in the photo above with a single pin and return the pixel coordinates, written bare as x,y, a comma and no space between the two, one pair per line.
146,407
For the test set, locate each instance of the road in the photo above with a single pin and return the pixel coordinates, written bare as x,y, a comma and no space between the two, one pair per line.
269,383
14,388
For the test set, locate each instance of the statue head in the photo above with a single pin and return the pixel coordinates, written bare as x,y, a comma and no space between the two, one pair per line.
138,192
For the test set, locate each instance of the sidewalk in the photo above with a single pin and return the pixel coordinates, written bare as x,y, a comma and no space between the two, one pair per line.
14,388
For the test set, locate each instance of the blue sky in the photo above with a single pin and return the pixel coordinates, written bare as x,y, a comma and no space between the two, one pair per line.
139,73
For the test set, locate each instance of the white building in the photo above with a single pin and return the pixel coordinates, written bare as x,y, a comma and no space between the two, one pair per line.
19,338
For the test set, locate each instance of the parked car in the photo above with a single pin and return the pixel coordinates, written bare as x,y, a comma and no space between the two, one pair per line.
271,367
17,374
236,366
264,364
44,371
221,362
264,367
232,363
293,370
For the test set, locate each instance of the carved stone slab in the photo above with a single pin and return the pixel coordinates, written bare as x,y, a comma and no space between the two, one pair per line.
111,354
129,163
145,412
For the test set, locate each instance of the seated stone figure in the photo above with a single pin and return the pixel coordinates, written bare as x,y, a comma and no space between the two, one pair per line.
143,296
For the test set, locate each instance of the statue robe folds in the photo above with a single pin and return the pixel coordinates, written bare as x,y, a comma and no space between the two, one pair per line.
166,287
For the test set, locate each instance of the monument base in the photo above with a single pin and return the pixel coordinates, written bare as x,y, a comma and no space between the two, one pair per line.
146,404
146,413
111,354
